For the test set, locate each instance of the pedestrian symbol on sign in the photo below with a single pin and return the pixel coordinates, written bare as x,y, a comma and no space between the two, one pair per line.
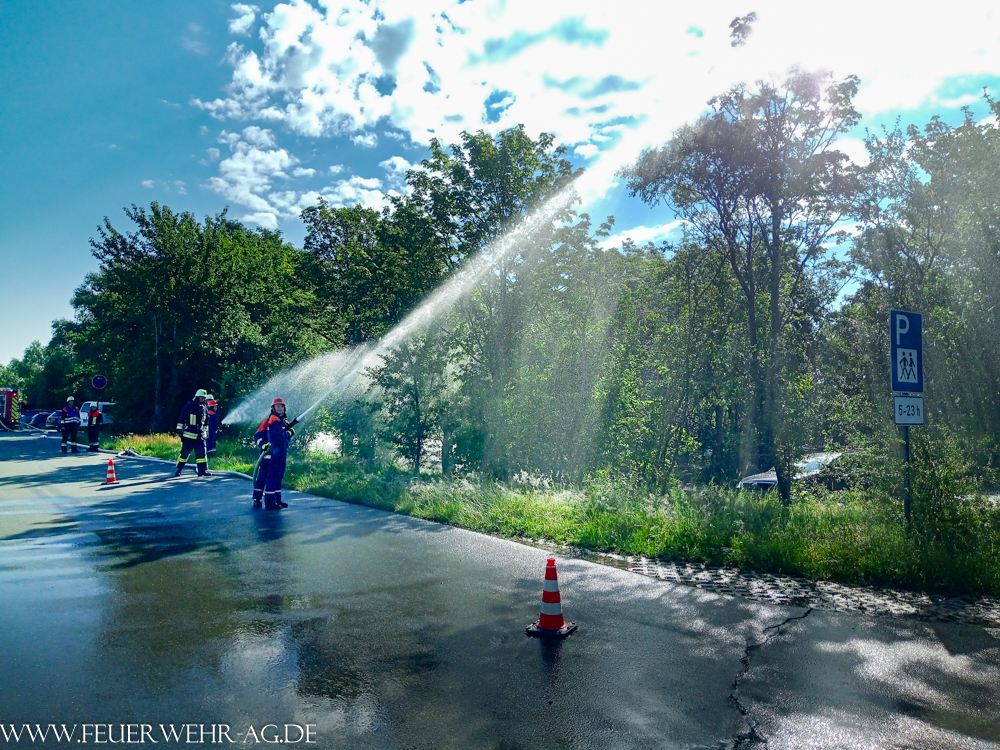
906,365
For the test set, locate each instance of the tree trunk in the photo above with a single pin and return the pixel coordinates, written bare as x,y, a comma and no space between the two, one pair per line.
770,417
157,424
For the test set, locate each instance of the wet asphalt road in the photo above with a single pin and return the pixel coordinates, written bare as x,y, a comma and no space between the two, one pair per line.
161,601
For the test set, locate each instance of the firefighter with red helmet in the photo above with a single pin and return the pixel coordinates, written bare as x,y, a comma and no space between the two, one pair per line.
272,438
95,418
213,424
192,426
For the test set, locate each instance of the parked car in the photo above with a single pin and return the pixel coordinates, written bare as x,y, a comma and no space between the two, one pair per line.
107,410
810,466
53,421
28,414
38,419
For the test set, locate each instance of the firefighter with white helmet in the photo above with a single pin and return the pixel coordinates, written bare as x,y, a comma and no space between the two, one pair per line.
192,426
69,423
272,438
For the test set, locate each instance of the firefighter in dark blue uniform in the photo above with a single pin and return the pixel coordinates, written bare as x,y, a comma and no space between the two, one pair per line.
69,422
192,425
272,438
94,421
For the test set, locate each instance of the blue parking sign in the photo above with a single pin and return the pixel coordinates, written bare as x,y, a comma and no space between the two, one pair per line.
907,351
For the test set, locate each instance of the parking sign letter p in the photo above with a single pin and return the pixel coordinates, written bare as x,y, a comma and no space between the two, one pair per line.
902,326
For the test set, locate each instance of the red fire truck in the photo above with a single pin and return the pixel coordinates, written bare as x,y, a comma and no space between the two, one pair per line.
10,408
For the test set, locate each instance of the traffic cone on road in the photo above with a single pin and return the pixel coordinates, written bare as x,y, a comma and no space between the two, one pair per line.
550,621
111,472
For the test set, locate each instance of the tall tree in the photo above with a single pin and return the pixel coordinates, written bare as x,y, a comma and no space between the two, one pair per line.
760,180
180,305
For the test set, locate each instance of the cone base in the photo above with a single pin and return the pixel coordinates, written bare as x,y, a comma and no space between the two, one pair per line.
564,632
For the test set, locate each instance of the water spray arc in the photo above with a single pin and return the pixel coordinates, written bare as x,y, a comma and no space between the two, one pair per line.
352,362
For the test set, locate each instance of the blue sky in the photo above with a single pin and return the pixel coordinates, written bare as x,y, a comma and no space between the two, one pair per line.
265,107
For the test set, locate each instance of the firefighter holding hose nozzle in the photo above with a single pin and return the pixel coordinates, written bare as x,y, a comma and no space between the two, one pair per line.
272,438
192,425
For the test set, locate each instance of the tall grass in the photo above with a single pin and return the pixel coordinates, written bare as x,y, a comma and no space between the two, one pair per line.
852,536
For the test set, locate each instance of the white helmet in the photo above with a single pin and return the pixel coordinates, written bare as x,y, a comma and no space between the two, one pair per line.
70,399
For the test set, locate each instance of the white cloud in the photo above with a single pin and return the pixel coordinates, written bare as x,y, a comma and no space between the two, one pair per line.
365,140
351,192
854,148
641,235
396,168
256,176
246,177
180,187
244,21
192,41
147,183
264,219
588,73
213,153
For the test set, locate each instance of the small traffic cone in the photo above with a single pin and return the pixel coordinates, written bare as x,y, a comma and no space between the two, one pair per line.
111,472
550,621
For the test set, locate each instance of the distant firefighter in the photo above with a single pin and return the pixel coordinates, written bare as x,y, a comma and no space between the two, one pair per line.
192,425
213,424
69,422
272,438
94,421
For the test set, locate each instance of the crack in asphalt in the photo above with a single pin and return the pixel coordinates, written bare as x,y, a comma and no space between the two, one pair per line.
752,737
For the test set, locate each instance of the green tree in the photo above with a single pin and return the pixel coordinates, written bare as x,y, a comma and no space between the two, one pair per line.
180,305
414,386
760,180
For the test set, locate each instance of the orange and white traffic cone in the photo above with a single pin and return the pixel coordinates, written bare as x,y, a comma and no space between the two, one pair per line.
550,621
111,472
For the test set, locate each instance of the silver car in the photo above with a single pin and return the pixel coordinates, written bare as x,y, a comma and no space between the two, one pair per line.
810,465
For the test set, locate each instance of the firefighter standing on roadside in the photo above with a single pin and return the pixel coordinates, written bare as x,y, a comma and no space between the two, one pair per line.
192,425
272,438
213,424
69,422
94,421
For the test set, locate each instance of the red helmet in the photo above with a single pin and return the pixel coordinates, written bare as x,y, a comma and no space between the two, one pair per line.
212,402
277,401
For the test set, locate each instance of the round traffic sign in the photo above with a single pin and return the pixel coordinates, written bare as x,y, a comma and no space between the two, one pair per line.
99,381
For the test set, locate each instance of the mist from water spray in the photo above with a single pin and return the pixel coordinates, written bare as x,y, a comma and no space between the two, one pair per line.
316,380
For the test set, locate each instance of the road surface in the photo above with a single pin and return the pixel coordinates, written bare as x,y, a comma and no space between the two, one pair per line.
168,602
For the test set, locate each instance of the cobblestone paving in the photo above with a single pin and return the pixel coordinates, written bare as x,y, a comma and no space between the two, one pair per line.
800,592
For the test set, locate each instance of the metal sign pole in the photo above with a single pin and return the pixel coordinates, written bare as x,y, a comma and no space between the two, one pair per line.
906,349
906,472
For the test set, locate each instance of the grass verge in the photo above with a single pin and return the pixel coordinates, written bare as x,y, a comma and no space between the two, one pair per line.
854,536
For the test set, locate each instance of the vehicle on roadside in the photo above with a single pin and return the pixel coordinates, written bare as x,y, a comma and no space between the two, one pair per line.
810,466
107,409
38,419
53,421
28,414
